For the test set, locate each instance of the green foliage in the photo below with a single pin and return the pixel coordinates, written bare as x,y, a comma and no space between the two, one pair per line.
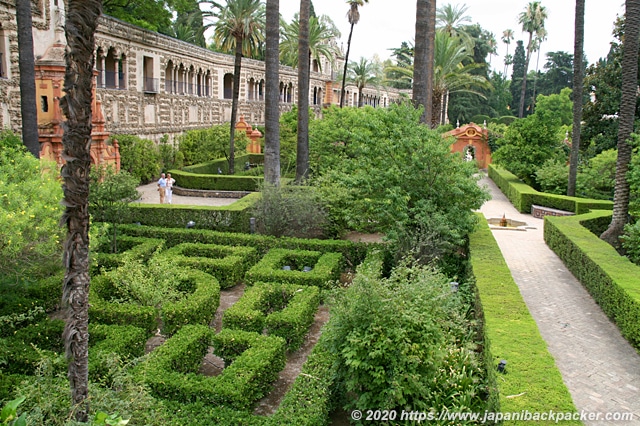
553,176
611,279
378,170
139,157
293,211
556,108
597,178
30,210
405,343
631,242
9,413
527,144
170,156
510,333
203,145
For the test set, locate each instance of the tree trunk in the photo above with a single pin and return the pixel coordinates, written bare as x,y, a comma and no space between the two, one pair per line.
26,64
237,66
625,127
304,58
523,88
431,43
272,98
346,66
578,77
81,22
535,80
420,59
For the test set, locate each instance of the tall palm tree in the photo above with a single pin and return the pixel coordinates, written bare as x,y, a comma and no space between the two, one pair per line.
420,64
452,19
353,16
302,153
431,42
28,108
507,36
532,21
492,44
578,78
541,36
625,127
240,28
322,31
363,73
81,22
272,95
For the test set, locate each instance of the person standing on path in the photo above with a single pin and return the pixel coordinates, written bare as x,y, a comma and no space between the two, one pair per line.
169,189
162,188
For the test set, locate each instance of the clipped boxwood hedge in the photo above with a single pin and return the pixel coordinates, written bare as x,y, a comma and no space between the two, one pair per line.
512,334
611,279
285,310
252,362
353,253
217,182
199,307
326,268
128,248
211,167
227,263
23,351
522,196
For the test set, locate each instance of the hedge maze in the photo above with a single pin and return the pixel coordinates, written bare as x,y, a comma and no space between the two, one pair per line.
270,319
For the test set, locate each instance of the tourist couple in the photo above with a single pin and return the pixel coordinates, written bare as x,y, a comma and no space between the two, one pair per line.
165,188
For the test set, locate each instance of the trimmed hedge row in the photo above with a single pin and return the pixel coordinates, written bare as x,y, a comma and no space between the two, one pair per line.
325,268
231,218
285,310
206,176
128,248
227,263
211,167
197,308
353,253
26,348
611,279
522,196
256,361
512,334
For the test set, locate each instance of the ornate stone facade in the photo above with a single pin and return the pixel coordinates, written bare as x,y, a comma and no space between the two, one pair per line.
153,85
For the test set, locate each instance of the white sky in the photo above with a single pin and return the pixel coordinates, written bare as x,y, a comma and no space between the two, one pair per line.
386,24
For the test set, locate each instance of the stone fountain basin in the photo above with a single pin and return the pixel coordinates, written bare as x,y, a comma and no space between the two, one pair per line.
512,224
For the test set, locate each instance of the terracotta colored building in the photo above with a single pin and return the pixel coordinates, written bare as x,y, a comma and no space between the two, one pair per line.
472,142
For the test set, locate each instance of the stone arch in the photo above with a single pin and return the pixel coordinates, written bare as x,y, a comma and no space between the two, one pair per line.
228,86
472,138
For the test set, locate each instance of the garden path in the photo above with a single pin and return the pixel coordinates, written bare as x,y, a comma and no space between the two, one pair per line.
149,195
600,368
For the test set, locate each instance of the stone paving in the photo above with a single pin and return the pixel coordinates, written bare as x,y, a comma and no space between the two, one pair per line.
600,368
150,195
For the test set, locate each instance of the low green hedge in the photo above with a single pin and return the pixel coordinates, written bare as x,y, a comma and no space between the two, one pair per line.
611,279
199,307
211,167
227,263
285,310
353,253
512,334
216,182
522,196
128,248
252,362
23,351
126,341
326,268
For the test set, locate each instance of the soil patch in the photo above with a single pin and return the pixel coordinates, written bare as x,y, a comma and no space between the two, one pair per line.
228,297
270,403
360,237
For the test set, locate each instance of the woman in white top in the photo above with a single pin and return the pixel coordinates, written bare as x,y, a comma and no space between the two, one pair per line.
169,190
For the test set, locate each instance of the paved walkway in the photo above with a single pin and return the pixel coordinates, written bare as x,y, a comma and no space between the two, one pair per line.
150,196
600,368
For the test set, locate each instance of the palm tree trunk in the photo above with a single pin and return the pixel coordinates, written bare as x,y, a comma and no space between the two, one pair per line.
346,65
272,98
625,127
237,66
523,88
578,78
304,58
360,96
26,64
420,59
535,80
431,43
81,22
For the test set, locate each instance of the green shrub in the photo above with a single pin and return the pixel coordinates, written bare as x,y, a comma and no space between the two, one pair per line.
611,279
511,334
24,351
631,242
202,145
126,248
227,263
215,182
325,268
285,310
140,157
553,177
597,178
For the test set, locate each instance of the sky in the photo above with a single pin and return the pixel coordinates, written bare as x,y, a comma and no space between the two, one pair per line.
385,24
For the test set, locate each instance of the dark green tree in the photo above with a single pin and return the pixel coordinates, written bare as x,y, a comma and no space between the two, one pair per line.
517,71
154,15
558,73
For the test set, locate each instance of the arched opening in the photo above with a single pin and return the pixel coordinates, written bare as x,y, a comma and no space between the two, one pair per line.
168,77
228,86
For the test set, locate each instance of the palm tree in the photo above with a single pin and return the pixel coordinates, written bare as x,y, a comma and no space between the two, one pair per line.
541,36
81,22
28,108
240,28
430,73
353,16
420,69
578,77
492,44
625,127
302,153
532,20
362,74
272,95
507,36
451,19
322,31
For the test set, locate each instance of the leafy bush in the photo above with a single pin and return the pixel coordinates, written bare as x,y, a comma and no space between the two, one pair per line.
553,177
30,210
292,211
597,178
170,156
404,343
139,157
202,145
631,242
